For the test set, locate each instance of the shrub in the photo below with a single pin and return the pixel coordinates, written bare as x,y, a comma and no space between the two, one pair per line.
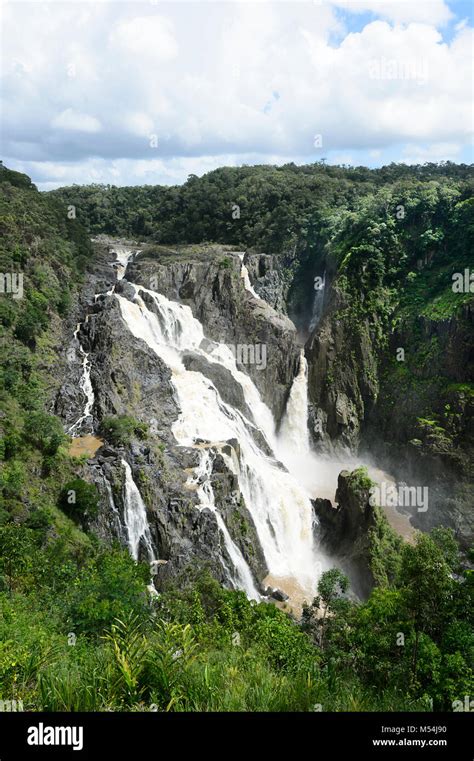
44,432
80,501
122,429
110,586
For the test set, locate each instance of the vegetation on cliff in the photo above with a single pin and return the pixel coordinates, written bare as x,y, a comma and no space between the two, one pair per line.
50,252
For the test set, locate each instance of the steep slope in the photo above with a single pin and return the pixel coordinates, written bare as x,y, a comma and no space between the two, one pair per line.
47,253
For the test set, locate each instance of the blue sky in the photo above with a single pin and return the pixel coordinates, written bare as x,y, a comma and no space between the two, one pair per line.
149,92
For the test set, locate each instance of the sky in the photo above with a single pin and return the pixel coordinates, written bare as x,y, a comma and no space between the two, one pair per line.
128,93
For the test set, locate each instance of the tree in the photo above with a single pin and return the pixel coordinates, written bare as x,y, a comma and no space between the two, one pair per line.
332,586
80,501
427,589
44,431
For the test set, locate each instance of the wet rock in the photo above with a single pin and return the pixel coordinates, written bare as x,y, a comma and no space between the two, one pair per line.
130,379
279,595
228,312
266,273
229,389
343,530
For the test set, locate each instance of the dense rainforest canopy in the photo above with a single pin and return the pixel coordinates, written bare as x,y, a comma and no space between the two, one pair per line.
266,207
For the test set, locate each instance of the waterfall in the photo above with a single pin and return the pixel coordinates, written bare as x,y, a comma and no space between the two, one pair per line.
243,577
244,274
294,436
123,257
318,304
85,385
281,509
135,517
293,445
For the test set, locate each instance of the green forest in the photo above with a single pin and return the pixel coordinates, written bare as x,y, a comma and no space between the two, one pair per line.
78,629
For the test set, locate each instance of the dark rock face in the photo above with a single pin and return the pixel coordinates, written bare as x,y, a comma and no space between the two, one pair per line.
278,595
230,391
342,380
345,382
266,274
344,530
436,452
237,517
69,399
359,403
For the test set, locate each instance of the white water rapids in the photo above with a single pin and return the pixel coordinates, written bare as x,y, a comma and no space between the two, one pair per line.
123,255
244,274
280,507
277,496
135,517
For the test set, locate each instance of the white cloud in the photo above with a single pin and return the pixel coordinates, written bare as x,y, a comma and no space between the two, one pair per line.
72,120
419,154
342,158
50,174
86,84
139,124
149,36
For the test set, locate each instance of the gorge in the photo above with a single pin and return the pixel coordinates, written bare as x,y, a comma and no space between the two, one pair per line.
222,422
194,432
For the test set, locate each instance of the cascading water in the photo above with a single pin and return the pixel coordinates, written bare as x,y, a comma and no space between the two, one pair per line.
135,517
244,274
115,512
280,507
316,474
136,523
293,436
240,574
123,257
85,385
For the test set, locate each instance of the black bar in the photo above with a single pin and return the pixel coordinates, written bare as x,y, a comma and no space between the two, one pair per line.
160,735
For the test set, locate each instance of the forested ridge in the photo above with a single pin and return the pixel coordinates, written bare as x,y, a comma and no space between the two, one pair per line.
78,630
266,207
